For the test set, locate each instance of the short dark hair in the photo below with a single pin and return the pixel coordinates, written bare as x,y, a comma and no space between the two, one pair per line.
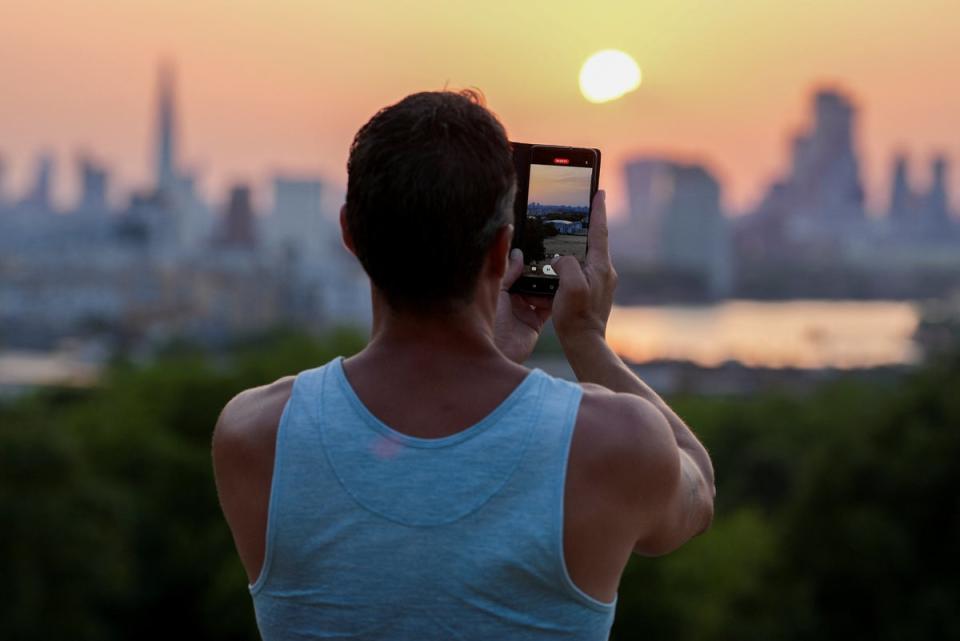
428,186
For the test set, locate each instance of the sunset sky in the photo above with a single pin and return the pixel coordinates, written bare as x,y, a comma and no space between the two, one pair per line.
283,85
550,185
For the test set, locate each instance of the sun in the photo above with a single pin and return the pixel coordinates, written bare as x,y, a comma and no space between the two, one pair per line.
608,75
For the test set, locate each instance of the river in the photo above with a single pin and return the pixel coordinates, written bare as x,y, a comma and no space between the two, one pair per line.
809,334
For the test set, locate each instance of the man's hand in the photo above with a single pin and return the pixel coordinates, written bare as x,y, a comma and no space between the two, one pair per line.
520,318
583,301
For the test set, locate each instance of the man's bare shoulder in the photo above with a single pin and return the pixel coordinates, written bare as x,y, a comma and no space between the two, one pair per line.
252,416
629,438
244,444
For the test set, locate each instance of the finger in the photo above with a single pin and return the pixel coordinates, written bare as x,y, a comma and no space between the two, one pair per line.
572,280
597,233
514,268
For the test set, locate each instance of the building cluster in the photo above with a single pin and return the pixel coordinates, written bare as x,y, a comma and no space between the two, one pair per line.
810,236
166,264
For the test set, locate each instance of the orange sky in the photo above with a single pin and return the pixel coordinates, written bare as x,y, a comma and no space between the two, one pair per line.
284,84
552,185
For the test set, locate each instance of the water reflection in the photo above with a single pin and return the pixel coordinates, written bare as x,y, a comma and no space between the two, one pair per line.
805,334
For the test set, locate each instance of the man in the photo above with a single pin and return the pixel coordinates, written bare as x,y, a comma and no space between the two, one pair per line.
431,486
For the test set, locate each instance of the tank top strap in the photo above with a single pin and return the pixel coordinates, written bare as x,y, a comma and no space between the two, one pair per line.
294,459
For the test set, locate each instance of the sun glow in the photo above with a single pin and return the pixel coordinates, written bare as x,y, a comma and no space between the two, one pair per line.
608,75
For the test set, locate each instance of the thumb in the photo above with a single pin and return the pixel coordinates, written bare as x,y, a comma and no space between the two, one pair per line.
514,268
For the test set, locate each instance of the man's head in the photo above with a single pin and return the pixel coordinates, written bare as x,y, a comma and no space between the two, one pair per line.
429,192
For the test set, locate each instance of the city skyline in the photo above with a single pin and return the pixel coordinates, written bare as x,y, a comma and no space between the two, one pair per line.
904,190
809,237
284,87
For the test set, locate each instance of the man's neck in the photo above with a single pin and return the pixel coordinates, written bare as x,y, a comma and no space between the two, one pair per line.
463,333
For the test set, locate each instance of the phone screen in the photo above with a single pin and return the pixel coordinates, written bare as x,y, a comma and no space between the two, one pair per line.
555,188
558,208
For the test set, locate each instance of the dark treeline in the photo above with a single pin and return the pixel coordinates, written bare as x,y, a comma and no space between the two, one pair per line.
837,512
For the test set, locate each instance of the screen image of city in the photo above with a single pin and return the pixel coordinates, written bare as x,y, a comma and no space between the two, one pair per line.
558,215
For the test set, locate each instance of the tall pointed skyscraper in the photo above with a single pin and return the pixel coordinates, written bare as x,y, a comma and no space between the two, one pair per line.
165,143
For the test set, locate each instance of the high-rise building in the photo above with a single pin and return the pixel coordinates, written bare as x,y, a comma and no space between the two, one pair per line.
192,216
936,210
3,183
825,176
165,147
903,201
297,226
817,209
695,234
93,178
238,227
916,214
676,222
649,190
39,197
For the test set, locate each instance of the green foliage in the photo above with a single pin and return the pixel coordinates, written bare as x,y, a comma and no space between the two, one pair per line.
836,518
711,587
111,526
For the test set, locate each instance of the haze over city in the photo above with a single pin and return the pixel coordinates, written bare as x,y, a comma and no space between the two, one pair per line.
198,152
285,85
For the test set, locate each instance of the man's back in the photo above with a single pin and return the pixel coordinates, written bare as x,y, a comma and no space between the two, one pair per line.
377,534
523,512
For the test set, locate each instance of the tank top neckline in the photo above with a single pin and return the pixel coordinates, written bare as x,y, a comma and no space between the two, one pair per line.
445,441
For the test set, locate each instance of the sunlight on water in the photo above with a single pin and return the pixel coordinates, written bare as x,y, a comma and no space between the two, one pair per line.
805,334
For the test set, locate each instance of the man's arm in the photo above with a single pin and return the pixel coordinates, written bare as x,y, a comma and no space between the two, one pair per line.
677,468
580,310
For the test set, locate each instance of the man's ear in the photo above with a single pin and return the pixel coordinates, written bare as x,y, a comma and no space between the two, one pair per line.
499,254
345,230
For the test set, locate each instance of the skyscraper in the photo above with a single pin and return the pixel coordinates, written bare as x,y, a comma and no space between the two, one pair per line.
166,134
39,195
902,198
298,225
649,191
936,210
817,209
93,197
676,222
3,184
238,226
826,174
920,213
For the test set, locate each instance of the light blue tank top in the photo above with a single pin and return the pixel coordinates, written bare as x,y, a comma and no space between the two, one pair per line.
374,534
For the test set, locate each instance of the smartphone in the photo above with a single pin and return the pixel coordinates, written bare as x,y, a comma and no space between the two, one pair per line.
555,189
